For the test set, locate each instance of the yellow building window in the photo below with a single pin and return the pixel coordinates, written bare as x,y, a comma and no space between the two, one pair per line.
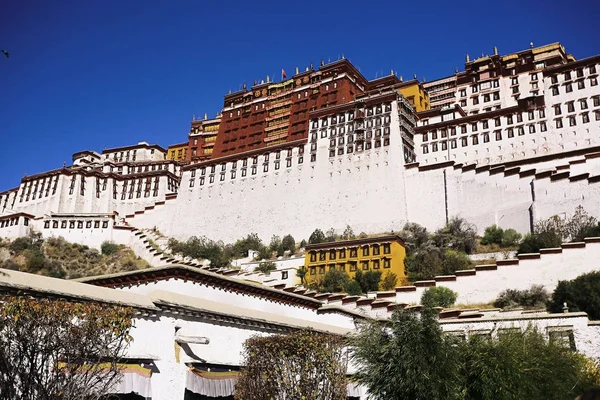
365,251
343,253
375,264
387,263
332,254
342,267
386,249
331,267
365,265
352,266
313,256
353,252
375,249
321,269
313,270
321,256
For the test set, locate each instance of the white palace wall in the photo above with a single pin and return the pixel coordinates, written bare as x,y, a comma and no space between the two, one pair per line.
364,190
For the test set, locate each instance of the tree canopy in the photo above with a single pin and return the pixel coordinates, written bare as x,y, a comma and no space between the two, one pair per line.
54,349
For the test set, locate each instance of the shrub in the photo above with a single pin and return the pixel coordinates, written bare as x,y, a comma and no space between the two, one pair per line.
389,281
510,238
438,296
348,233
458,234
335,281
492,235
20,244
534,297
265,267
369,281
109,248
242,246
455,261
580,294
316,237
288,244
353,288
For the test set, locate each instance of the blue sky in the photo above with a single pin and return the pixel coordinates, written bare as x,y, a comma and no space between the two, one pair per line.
95,74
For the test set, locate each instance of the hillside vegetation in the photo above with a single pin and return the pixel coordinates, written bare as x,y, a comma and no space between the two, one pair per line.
61,259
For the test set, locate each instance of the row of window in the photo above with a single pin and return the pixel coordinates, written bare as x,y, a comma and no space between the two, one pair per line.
360,146
243,170
485,124
352,266
583,105
569,86
485,137
38,188
13,221
349,116
579,73
72,223
352,252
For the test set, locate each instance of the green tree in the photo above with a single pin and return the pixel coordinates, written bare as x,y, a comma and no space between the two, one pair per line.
369,280
492,235
242,246
510,238
455,261
348,233
316,237
580,294
458,234
412,349
109,248
580,225
534,297
300,365
353,288
303,244
275,245
335,281
424,263
288,244
331,235
414,236
438,296
265,267
389,281
522,366
301,273
51,349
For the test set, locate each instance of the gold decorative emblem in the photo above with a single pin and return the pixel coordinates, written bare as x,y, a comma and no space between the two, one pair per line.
298,82
305,80
257,93
264,92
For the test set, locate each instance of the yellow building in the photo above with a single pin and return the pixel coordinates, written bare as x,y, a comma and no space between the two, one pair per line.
382,253
177,151
415,94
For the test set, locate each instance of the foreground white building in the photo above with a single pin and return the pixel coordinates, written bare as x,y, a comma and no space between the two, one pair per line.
191,324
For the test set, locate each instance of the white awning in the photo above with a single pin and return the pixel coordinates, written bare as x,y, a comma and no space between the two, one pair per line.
212,384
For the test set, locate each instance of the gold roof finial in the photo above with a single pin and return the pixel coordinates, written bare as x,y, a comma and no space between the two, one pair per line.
205,116
415,76
401,78
468,59
297,71
268,79
495,51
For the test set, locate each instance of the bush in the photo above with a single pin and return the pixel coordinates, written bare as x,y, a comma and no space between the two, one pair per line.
389,281
288,244
510,238
580,294
265,267
242,246
109,248
335,281
369,280
458,234
492,235
534,297
316,237
353,288
20,244
438,296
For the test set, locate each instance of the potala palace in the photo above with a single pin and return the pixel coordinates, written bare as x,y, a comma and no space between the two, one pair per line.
510,140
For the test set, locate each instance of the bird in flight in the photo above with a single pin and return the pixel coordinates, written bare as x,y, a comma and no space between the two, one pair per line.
5,53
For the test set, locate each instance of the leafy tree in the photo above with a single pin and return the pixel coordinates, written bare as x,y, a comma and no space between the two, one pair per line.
348,233
492,235
510,238
424,263
109,248
426,364
335,281
303,244
301,365
353,288
265,267
331,235
580,294
522,366
202,249
455,261
53,349
389,281
412,349
316,237
369,280
301,273
288,244
458,234
275,245
581,225
414,236
363,235
534,297
438,296
250,242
